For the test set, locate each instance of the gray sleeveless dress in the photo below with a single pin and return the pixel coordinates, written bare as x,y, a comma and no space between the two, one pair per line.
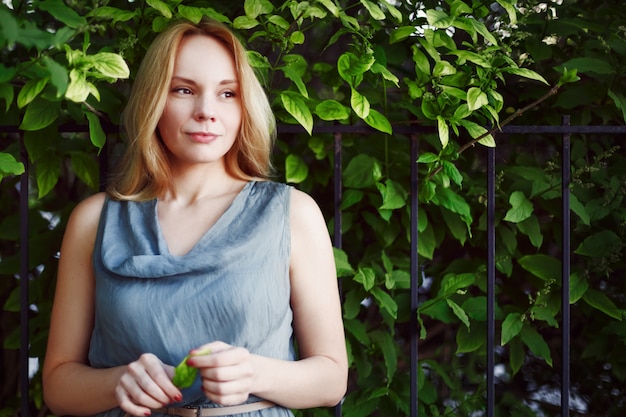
233,286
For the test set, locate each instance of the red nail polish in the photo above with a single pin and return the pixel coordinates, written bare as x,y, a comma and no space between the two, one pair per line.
147,413
178,397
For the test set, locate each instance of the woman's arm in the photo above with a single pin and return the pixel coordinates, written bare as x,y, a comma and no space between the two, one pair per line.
319,378
70,385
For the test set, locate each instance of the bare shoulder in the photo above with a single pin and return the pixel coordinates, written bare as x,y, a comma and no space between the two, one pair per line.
303,205
86,215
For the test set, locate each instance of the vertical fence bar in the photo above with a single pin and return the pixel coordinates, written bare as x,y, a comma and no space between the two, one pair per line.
414,276
491,278
337,241
24,295
565,275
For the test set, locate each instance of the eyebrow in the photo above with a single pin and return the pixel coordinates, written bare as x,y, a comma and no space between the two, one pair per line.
192,82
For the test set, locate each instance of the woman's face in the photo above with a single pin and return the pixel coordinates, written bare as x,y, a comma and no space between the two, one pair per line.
202,114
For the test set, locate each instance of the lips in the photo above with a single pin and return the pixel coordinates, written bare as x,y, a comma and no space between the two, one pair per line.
203,137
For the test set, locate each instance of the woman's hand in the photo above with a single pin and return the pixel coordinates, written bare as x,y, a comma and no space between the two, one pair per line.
227,372
145,385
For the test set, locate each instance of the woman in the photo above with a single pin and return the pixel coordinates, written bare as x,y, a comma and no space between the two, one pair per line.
192,250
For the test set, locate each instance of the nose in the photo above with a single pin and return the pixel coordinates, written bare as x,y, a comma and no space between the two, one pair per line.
204,109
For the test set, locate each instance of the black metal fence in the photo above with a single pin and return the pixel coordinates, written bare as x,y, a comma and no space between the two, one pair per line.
565,130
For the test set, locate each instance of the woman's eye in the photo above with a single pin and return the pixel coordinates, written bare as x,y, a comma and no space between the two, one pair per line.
181,90
229,94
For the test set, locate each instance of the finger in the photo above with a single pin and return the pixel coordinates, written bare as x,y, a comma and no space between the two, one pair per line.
141,390
226,393
160,375
226,356
127,404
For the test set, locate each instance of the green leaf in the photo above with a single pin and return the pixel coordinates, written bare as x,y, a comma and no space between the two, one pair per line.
521,208
385,302
117,15
86,168
585,65
351,197
530,227
110,65
388,347
443,131
378,121
443,68
542,266
9,29
362,171
332,110
459,312
48,170
184,375
39,114
511,327
193,14
373,9
161,7
30,90
401,33
330,6
536,343
366,277
439,19
471,57
516,355
296,171
578,287
6,93
256,8
295,105
599,244
526,73
62,13
341,263
476,98
451,171
78,90
427,158
360,104
601,302
467,341
257,60
96,134
244,22
509,6
477,131
620,102
393,194
539,312
351,68
357,329
59,77
452,283
447,198
9,165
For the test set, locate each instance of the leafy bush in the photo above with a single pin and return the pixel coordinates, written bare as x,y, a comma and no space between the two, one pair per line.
455,68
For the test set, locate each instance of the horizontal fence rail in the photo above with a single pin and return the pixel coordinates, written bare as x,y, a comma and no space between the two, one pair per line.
413,132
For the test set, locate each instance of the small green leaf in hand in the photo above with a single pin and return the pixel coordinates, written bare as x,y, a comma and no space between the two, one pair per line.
184,375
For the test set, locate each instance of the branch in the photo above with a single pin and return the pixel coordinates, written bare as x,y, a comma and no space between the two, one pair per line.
506,121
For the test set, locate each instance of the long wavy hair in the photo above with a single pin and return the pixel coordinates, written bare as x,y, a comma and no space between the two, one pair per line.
144,172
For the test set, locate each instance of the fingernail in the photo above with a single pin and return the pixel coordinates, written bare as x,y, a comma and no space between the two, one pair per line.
191,362
178,397
147,413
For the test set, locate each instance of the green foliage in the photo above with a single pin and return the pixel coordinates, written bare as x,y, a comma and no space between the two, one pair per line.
462,69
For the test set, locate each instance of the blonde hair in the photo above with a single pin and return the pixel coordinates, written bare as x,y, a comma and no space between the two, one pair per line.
144,172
